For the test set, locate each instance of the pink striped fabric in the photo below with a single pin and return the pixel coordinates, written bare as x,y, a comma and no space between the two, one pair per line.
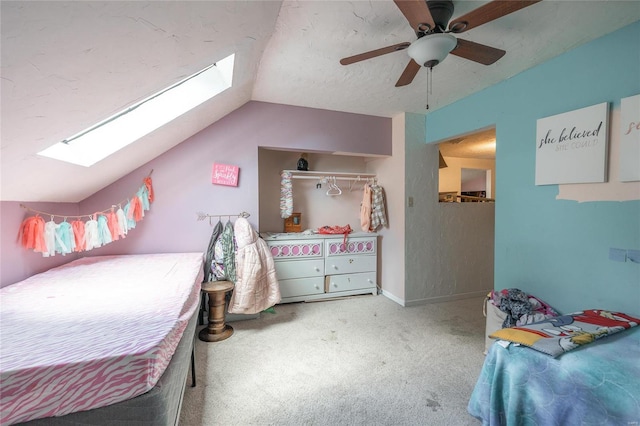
93,332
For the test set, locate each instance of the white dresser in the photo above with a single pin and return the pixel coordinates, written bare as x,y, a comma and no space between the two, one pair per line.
313,267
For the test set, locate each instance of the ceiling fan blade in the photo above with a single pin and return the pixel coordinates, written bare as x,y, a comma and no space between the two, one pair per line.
417,13
486,13
477,52
374,53
408,74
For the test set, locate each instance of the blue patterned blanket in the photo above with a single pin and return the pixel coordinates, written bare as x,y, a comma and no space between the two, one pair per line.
598,384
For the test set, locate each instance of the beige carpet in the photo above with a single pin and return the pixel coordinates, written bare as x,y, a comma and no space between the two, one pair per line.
362,360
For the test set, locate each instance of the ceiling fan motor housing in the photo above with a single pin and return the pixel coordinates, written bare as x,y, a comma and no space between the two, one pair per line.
441,12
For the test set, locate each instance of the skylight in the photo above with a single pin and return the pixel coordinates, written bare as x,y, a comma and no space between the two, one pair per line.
108,136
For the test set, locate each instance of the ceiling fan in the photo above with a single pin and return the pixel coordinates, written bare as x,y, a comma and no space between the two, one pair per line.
430,19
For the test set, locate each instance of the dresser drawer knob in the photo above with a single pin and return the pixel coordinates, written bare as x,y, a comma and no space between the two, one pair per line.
316,269
334,284
334,266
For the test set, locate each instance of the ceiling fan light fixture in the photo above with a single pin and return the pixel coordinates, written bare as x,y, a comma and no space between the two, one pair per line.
430,50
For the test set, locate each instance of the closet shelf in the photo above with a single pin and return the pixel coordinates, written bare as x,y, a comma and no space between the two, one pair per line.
312,174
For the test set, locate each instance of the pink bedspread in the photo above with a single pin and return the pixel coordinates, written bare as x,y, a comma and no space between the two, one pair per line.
93,332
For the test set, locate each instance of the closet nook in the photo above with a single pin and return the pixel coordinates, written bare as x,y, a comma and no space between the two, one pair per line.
312,266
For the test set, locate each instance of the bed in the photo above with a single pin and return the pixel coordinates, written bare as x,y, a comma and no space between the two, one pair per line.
100,339
595,384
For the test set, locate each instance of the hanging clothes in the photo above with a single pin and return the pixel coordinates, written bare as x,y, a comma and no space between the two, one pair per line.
217,265
365,209
286,195
229,252
209,257
378,211
256,285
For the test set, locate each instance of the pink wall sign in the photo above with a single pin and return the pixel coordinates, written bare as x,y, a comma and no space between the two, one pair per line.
225,174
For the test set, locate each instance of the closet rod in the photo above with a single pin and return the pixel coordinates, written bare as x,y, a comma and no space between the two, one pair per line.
203,216
298,174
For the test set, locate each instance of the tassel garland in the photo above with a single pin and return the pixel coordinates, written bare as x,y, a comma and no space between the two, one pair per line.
102,227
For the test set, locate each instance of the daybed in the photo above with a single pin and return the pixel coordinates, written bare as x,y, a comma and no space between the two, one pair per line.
100,340
586,384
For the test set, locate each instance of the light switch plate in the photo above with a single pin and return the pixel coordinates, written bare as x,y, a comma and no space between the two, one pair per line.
633,256
617,255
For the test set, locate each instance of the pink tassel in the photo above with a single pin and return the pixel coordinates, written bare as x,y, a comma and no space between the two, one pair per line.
135,211
31,234
112,223
148,184
78,234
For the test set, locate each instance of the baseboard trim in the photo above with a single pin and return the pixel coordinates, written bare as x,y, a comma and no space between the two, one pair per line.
392,297
447,298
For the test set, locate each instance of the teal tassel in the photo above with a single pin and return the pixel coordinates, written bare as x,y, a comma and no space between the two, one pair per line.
143,194
103,230
131,223
65,241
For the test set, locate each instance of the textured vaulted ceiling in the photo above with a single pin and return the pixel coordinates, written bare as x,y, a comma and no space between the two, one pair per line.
67,65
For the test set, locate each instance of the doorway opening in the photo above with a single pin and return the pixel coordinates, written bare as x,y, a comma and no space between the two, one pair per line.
467,168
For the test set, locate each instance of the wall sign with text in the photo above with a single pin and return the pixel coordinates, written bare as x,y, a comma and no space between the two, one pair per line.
225,174
630,139
572,147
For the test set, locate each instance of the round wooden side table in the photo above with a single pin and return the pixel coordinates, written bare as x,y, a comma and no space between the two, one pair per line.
217,330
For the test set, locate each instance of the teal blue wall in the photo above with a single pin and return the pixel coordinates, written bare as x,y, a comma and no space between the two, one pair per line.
557,250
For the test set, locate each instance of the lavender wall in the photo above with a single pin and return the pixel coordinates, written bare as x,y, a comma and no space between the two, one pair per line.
182,178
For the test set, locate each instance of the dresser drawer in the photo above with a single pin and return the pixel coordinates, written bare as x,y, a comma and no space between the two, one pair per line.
301,286
296,249
346,282
299,269
349,264
353,246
